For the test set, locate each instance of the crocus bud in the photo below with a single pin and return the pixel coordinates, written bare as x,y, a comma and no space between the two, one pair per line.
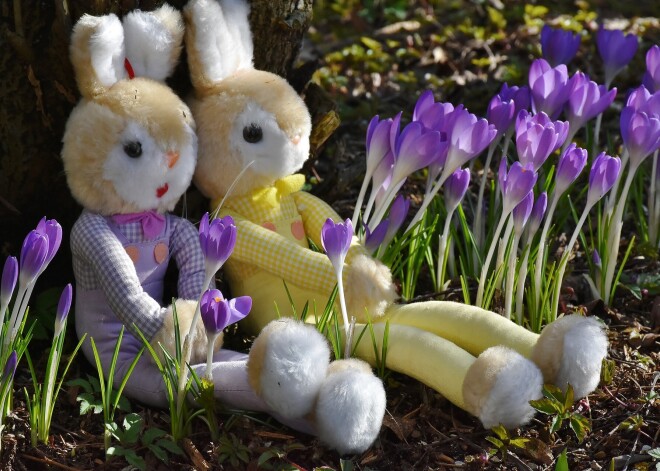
640,133
398,213
558,46
538,211
374,239
522,211
604,172
587,101
63,308
9,278
336,240
652,75
53,232
455,188
550,87
33,256
571,163
537,136
9,369
515,184
217,238
616,50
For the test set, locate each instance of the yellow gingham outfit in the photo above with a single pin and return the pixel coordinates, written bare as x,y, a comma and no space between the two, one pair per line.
273,226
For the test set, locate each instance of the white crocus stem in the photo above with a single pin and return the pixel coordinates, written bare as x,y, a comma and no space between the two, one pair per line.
654,210
501,248
187,345
363,191
344,312
18,312
614,236
520,287
489,256
540,254
50,386
599,119
564,261
390,194
210,337
511,275
442,248
477,228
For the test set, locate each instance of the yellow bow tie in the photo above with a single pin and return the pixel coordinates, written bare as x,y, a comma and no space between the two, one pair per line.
270,196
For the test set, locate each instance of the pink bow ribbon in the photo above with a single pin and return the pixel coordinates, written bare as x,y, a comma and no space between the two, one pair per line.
152,222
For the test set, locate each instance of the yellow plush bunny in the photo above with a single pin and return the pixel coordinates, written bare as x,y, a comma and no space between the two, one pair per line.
253,128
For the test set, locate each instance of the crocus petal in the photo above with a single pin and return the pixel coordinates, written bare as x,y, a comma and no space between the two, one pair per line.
9,278
604,172
53,232
239,308
10,368
522,211
558,46
571,164
455,188
373,239
63,307
538,211
33,256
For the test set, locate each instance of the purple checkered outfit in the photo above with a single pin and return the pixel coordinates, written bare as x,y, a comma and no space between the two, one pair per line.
114,288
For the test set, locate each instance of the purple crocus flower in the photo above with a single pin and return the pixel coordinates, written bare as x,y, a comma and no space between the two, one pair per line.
616,50
455,188
415,149
469,137
433,115
587,101
522,211
538,211
520,96
33,256
374,239
537,137
63,308
9,278
378,142
398,213
336,240
640,133
652,75
217,238
571,163
550,87
515,184
604,172
53,231
558,46
218,313
501,114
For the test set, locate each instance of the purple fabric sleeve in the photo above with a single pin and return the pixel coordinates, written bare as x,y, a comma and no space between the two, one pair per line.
100,261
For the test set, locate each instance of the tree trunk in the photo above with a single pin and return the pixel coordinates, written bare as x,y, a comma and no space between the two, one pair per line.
38,91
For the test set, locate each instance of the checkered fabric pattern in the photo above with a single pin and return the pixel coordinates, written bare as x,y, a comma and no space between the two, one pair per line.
258,248
100,262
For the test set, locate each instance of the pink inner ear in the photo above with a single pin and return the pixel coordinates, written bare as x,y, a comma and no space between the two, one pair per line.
129,68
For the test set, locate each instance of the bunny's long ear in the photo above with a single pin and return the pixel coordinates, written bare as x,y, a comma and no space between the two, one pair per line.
153,41
218,40
97,53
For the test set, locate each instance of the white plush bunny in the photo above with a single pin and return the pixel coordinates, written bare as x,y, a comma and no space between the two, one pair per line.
254,118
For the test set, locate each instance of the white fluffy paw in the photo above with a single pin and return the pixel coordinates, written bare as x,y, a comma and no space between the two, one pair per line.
571,351
287,365
350,407
499,385
368,287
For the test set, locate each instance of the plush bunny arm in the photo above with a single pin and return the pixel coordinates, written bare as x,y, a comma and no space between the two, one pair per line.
100,262
283,258
187,252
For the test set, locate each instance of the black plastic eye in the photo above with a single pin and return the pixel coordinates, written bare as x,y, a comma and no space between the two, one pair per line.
253,133
133,149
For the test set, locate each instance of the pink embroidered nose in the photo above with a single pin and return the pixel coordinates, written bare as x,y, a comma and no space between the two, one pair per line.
296,139
172,158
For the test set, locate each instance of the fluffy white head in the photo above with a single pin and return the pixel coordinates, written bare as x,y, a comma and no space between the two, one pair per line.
350,410
256,136
295,364
149,174
518,382
585,347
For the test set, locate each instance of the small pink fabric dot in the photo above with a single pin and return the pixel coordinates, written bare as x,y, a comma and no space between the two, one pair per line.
160,253
298,230
269,225
133,253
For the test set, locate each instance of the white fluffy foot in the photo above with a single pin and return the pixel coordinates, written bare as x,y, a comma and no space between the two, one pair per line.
351,406
570,351
287,366
499,385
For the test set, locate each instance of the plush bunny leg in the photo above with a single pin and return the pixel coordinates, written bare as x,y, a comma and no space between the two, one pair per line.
569,350
287,366
496,387
350,406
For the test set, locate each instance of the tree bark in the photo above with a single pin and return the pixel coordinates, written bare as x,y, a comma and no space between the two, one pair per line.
38,91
